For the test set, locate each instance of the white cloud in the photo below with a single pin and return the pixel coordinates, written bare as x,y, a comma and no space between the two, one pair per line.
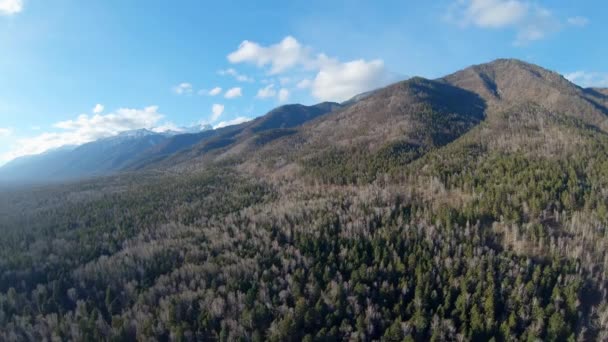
494,13
266,92
269,91
5,132
216,110
334,81
341,81
183,88
243,78
530,21
9,7
215,91
283,95
304,84
233,92
538,25
235,121
98,108
578,21
86,128
588,79
280,57
239,77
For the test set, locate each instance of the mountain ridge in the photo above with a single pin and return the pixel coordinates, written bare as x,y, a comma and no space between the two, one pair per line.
506,82
417,112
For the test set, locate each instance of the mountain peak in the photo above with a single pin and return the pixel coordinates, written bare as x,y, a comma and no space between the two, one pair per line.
136,133
510,79
504,83
511,61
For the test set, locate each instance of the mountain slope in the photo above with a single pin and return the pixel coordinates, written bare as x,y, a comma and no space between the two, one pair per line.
142,149
29,167
399,122
602,90
248,136
421,111
100,157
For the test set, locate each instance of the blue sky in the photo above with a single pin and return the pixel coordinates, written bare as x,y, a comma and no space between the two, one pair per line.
73,71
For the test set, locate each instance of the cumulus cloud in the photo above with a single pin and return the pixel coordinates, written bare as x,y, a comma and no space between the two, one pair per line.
266,92
233,93
239,77
578,21
304,84
183,88
530,21
340,81
235,121
98,108
215,91
86,128
280,57
269,91
493,13
10,7
216,112
283,95
539,24
588,78
334,80
5,132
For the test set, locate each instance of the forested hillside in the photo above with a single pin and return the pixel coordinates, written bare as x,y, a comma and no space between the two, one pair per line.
473,207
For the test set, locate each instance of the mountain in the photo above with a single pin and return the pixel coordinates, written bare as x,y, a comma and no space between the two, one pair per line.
402,121
473,207
419,111
29,167
96,158
236,139
194,129
137,149
602,91
507,82
358,97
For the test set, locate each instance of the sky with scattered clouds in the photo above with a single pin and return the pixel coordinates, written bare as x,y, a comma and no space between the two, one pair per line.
74,71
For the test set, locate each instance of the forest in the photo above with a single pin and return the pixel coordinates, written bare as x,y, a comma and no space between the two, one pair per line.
477,228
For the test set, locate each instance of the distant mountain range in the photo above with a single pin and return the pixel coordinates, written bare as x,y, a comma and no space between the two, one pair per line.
416,115
136,149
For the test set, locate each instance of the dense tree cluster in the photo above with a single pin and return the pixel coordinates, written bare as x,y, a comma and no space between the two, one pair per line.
498,235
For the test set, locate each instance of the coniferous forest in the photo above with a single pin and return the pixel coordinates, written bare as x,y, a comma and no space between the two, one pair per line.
472,207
